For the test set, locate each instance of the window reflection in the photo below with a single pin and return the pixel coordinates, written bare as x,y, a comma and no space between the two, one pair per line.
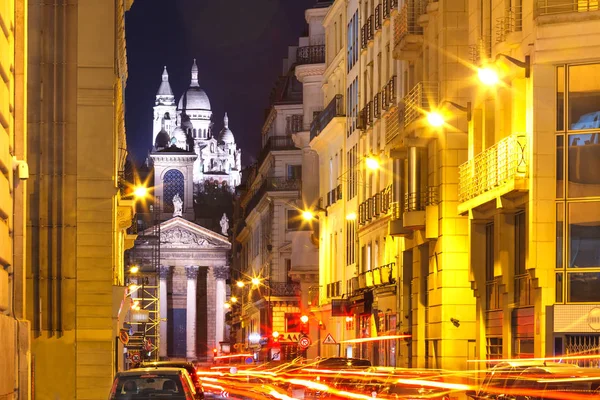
584,165
560,157
584,97
584,235
583,287
560,209
560,99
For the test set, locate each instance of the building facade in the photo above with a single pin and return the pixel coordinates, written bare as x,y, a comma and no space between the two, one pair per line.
276,246
15,338
76,217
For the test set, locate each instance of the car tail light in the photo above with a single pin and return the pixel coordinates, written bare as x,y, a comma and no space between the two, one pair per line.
113,389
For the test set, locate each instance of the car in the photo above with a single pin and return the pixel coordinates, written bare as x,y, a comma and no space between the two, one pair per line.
587,121
188,366
154,383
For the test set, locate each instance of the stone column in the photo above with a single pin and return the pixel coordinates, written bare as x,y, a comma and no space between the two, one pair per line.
163,273
192,276
221,274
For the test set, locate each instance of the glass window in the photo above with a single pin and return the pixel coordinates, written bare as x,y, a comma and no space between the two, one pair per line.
560,164
582,287
584,165
584,235
584,96
559,287
560,99
559,235
172,186
294,172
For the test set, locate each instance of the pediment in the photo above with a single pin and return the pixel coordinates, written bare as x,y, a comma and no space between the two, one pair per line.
180,233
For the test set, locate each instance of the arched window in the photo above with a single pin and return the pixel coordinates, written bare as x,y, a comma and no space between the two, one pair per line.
195,132
212,147
172,185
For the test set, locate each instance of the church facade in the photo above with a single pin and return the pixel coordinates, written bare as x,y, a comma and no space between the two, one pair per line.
182,248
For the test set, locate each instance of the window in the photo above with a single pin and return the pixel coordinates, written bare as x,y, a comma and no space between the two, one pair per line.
492,290
493,348
292,322
288,269
172,185
350,241
583,103
294,172
522,279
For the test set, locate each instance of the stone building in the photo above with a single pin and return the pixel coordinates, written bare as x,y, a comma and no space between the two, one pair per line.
14,328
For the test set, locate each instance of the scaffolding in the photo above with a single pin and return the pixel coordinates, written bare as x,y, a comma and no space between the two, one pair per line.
144,287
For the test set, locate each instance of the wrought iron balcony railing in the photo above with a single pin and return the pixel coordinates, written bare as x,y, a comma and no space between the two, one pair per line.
276,143
391,91
371,27
481,51
504,161
284,289
310,54
378,17
271,184
363,37
407,21
377,105
549,7
387,10
418,201
335,108
511,22
421,98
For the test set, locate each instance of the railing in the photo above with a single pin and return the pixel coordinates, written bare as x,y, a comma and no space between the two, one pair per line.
482,50
395,210
272,185
276,143
523,290
375,205
335,108
363,37
294,123
549,7
369,112
511,22
422,97
334,195
418,201
310,54
334,289
377,105
284,289
394,123
394,4
376,277
493,167
391,91
407,21
371,27
387,10
378,17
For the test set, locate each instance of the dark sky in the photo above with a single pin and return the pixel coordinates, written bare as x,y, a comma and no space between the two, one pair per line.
238,45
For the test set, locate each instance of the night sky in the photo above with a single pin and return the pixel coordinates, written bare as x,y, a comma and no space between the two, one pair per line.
238,45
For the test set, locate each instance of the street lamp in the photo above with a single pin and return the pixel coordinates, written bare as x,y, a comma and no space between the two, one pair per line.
134,269
372,163
436,118
489,76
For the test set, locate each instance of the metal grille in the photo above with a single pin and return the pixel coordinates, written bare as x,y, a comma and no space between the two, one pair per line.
295,123
378,17
407,21
386,9
417,201
493,167
377,105
371,28
546,7
421,98
481,51
310,54
172,185
511,22
582,345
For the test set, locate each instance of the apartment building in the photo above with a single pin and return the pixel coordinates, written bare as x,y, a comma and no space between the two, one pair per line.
278,253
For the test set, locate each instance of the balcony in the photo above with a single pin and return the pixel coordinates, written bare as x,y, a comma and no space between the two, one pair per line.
310,54
284,289
481,51
552,7
334,109
377,105
394,123
500,170
408,34
276,143
363,37
391,91
421,98
378,17
376,205
376,277
395,225
371,27
419,208
512,22
271,184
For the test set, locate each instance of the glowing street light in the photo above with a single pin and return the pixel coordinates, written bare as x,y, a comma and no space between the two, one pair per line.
308,215
140,192
134,269
351,216
233,299
240,284
255,281
488,76
435,119
304,319
227,306
372,163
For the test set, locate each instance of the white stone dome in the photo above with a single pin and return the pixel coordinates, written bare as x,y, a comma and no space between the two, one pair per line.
226,136
180,138
194,99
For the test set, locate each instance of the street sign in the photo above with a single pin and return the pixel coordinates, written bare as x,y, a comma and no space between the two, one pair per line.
249,360
304,342
136,358
329,339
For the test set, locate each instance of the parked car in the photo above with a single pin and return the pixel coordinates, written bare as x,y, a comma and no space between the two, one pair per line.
188,366
154,383
587,121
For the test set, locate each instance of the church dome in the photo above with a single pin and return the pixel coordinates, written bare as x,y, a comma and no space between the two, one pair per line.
194,98
226,136
180,138
162,139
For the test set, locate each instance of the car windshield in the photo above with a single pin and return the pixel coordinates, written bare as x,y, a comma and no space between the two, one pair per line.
149,387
